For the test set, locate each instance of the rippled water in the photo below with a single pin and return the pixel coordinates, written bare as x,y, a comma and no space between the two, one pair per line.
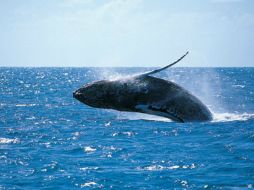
48,140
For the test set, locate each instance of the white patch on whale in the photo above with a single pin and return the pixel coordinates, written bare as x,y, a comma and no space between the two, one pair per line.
145,108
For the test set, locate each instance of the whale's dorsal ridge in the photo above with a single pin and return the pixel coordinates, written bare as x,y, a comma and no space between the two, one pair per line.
163,68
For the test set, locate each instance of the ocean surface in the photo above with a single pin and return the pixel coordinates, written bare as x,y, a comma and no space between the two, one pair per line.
49,140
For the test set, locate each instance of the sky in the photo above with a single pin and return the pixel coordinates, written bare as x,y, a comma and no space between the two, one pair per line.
126,33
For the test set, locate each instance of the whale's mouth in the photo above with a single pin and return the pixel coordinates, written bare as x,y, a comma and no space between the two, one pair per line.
78,95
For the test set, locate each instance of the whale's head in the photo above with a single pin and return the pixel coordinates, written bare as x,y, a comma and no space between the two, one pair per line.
95,94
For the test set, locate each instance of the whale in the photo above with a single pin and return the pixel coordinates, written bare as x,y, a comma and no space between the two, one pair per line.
147,94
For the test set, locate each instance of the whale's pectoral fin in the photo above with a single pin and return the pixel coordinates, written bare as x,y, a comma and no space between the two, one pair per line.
156,110
161,69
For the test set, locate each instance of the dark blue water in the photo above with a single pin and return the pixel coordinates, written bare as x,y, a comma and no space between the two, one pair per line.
48,140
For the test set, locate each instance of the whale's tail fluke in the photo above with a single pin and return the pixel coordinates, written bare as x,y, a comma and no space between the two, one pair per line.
170,65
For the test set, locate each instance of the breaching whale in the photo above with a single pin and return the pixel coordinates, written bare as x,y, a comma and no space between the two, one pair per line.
145,94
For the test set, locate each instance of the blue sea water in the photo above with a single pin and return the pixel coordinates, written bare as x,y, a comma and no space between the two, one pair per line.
49,140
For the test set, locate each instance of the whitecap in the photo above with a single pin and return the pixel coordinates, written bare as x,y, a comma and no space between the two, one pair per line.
114,134
109,148
31,118
173,167
152,168
8,141
25,105
107,124
89,149
192,166
88,184
238,86
21,105
184,183
47,144
128,133
89,168
76,133
160,167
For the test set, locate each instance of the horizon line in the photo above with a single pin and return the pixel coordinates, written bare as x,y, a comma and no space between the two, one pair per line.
123,67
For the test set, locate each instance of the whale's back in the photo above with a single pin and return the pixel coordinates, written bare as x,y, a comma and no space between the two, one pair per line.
159,97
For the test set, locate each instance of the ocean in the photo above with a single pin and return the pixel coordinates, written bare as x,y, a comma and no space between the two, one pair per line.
49,140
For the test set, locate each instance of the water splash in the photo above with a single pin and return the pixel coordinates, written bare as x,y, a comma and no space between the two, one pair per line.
226,117
112,75
217,117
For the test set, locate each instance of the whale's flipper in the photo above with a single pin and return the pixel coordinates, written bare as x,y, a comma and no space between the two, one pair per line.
158,70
